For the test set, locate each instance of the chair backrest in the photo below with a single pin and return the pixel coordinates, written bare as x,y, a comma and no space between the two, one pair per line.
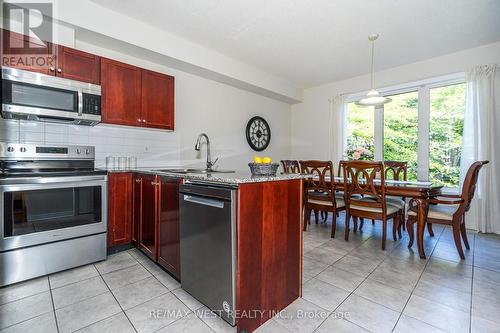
290,166
340,170
360,177
321,178
399,170
469,185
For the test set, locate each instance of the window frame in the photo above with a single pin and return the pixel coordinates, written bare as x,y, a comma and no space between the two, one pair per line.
423,88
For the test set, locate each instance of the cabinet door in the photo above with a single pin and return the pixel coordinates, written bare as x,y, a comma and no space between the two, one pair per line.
137,211
168,225
119,208
121,93
78,65
27,53
158,100
147,226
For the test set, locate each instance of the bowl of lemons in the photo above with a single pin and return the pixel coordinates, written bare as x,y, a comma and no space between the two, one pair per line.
263,166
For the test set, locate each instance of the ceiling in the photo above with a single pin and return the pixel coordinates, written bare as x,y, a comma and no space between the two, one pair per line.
311,42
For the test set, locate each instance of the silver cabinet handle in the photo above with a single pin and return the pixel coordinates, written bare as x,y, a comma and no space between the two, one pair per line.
52,69
138,180
59,70
204,201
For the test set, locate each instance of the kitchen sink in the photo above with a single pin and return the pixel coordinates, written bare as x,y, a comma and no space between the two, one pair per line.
186,171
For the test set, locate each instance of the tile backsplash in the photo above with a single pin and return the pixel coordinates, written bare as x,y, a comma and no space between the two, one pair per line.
151,147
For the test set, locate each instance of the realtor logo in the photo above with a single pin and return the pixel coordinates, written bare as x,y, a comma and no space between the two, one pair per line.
27,33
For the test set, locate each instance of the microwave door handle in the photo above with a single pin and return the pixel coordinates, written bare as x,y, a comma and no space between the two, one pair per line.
80,103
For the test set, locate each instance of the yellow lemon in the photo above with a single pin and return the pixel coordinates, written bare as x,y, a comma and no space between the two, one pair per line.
267,160
257,159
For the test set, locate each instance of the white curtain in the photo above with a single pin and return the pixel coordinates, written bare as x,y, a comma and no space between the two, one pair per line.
337,124
481,141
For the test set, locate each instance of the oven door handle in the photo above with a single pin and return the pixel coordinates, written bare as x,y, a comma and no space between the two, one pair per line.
80,103
52,182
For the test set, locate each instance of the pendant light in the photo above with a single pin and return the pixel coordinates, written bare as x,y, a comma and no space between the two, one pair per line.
373,97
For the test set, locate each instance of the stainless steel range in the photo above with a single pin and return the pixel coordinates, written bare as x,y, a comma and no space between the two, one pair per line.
53,210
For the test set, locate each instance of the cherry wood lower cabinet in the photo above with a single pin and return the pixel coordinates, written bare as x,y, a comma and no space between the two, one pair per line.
119,208
155,229
269,274
147,222
168,225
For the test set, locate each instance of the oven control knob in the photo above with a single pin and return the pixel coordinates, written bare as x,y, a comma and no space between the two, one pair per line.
87,151
22,149
78,151
10,149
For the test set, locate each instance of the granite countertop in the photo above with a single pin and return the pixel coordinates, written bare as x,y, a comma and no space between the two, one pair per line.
231,178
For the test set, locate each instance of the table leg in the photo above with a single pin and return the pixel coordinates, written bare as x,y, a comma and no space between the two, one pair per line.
422,209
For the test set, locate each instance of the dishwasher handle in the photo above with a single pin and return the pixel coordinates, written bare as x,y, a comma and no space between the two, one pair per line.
204,201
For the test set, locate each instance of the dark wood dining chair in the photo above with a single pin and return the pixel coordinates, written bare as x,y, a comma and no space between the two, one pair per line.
364,199
397,170
290,166
450,209
319,191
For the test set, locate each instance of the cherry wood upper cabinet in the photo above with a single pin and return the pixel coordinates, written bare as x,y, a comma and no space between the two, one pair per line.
27,53
78,65
119,208
158,100
168,225
121,93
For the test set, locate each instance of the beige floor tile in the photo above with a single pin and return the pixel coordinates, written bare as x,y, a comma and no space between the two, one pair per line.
438,315
340,278
117,323
125,276
23,289
339,325
394,299
45,323
451,297
411,325
79,291
157,313
72,275
323,294
115,262
139,292
87,312
25,308
480,325
369,315
302,316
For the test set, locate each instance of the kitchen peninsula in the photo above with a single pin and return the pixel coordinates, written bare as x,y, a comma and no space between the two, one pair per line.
262,271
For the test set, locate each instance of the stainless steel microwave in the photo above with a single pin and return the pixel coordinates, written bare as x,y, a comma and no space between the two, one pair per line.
35,96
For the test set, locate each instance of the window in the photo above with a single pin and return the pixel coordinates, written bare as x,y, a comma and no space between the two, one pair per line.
421,125
361,132
445,133
401,131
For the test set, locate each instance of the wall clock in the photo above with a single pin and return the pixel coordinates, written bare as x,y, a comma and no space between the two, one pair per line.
258,133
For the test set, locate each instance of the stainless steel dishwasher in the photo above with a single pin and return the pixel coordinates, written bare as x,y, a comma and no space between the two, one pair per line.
208,246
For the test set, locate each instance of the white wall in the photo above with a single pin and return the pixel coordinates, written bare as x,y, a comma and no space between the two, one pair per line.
310,128
183,54
201,105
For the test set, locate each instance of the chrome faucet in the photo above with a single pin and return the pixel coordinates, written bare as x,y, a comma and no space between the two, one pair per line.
197,147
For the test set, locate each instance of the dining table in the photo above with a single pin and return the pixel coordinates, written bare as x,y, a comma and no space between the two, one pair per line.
419,193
